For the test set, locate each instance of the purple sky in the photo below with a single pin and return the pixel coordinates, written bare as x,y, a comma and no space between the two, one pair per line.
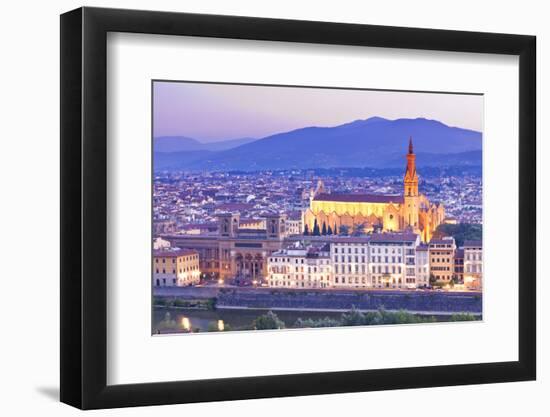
213,112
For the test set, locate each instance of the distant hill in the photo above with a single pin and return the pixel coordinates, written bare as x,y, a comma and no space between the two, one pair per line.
172,161
183,144
374,142
469,158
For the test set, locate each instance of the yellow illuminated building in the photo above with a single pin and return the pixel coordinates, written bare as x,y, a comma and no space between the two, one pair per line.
410,211
175,267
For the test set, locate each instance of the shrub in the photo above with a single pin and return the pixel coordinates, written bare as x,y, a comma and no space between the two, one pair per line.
268,321
463,317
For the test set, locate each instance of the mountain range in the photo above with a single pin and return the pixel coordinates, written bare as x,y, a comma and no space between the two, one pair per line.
183,144
375,142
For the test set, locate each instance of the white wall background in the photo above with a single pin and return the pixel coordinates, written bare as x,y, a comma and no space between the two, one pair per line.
29,213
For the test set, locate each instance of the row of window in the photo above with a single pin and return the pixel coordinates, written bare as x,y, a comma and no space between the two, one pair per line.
373,249
342,269
181,270
476,269
296,260
158,281
343,250
351,269
285,269
298,284
350,258
441,268
350,280
441,260
185,259
303,277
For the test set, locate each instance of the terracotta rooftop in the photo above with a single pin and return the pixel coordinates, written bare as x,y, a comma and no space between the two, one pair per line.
234,206
294,215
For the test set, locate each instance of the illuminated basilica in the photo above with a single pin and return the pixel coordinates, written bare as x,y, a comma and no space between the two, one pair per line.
411,211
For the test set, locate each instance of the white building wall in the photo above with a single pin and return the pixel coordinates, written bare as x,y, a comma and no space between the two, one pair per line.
294,269
473,267
422,268
387,265
350,264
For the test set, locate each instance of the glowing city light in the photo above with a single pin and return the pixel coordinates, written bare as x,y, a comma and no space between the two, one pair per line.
221,325
186,324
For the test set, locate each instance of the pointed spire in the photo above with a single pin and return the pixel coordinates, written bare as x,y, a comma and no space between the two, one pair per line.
410,144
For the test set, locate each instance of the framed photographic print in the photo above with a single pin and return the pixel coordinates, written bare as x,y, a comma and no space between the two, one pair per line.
257,207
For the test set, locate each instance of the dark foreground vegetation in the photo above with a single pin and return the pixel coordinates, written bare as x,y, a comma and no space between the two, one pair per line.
354,317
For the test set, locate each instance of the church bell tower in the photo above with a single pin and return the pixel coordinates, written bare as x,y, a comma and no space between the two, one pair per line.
410,196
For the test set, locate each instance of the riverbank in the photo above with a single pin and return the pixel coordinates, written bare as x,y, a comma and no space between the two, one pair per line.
180,320
236,298
420,302
334,310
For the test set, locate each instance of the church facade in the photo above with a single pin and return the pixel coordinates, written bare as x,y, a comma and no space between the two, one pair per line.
410,211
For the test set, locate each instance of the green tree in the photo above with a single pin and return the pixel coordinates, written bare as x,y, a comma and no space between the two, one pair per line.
358,229
335,230
353,318
325,322
329,230
460,231
344,230
268,321
324,229
463,317
306,230
316,231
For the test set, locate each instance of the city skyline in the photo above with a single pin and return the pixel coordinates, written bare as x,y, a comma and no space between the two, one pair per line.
360,193
219,112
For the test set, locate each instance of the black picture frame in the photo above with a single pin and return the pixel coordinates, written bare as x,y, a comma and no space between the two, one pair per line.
84,207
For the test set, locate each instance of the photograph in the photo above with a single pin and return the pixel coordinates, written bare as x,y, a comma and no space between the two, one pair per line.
293,207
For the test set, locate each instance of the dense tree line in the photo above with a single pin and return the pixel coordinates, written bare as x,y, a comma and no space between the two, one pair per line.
325,230
461,232
355,317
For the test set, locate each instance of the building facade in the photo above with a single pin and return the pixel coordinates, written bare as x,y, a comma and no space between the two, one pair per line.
295,223
410,211
422,266
175,267
473,264
458,271
384,260
235,252
275,257
300,267
350,260
164,226
393,260
441,252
